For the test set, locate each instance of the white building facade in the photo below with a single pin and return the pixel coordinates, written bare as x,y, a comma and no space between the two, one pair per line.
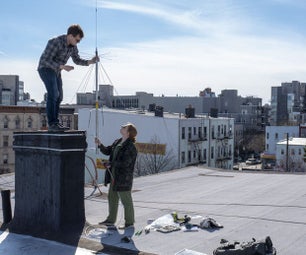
274,134
291,160
187,141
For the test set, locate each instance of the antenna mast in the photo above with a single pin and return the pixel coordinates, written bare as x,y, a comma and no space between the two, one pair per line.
97,81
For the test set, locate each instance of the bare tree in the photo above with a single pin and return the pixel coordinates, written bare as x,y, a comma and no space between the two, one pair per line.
293,164
153,162
254,141
138,165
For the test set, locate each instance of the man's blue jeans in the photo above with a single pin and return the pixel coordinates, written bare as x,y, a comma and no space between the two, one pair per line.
54,86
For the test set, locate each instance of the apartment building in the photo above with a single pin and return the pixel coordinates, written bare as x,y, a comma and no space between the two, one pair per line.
290,154
273,135
247,111
288,103
9,89
181,139
25,119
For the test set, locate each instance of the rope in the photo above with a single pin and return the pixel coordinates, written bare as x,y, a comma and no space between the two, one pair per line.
94,179
85,81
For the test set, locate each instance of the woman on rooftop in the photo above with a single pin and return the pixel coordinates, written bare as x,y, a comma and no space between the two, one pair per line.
119,174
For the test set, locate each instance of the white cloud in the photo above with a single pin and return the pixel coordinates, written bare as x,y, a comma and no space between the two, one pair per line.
251,65
217,55
184,66
198,17
186,18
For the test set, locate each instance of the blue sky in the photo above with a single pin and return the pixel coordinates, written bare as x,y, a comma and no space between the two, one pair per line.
162,47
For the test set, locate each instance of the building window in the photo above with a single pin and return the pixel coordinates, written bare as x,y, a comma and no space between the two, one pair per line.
205,131
5,122
194,154
212,152
200,132
189,156
30,123
17,123
68,122
300,151
183,133
204,154
267,135
282,151
267,147
5,159
189,133
292,152
5,141
44,121
194,131
183,157
199,155
276,135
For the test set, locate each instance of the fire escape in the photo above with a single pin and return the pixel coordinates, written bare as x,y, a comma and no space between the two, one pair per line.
223,152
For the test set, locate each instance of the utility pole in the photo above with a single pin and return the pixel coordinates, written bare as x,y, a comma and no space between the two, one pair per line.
287,153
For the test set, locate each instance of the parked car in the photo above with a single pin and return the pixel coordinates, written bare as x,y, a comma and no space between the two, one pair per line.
251,161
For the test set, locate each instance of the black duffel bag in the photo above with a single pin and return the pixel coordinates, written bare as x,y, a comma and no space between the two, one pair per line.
262,247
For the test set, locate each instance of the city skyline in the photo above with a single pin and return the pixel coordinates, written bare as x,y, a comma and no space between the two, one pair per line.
162,47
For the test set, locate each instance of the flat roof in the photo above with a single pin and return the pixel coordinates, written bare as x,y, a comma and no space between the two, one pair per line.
152,114
248,205
294,141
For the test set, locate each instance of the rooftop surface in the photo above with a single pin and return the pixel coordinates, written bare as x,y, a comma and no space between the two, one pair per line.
247,204
168,115
294,141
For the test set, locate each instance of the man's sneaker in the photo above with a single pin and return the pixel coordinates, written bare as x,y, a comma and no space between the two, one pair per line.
55,128
62,126
106,223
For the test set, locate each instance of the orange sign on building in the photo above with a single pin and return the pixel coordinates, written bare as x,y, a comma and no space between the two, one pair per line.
150,148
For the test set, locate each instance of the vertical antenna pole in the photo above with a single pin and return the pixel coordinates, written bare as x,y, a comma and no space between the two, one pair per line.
97,98
97,81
